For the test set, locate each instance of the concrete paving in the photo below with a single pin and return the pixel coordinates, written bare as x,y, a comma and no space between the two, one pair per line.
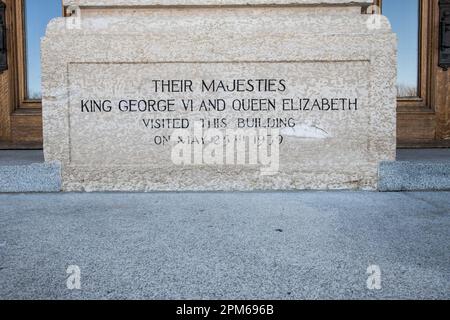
416,170
36,177
423,154
20,157
25,171
414,176
315,245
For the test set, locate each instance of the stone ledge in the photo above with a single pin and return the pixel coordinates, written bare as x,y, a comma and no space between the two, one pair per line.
414,176
37,177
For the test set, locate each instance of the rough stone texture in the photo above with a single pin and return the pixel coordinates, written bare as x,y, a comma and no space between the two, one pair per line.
38,177
322,51
288,245
414,175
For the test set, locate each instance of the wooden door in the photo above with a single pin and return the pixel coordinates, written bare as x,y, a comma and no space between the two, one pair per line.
20,100
423,114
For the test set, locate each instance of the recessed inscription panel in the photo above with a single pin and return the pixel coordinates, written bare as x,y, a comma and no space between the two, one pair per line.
132,114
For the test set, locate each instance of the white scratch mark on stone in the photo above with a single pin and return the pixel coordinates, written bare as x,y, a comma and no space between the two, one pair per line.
305,131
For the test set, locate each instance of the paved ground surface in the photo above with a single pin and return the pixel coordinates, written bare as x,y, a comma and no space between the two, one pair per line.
20,157
423,155
225,245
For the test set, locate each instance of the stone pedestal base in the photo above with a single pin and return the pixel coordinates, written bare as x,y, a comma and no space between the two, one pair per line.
130,88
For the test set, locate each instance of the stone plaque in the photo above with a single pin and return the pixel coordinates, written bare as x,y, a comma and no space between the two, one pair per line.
244,106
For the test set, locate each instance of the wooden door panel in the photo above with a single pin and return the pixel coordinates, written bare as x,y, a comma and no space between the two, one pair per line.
5,129
20,120
424,121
